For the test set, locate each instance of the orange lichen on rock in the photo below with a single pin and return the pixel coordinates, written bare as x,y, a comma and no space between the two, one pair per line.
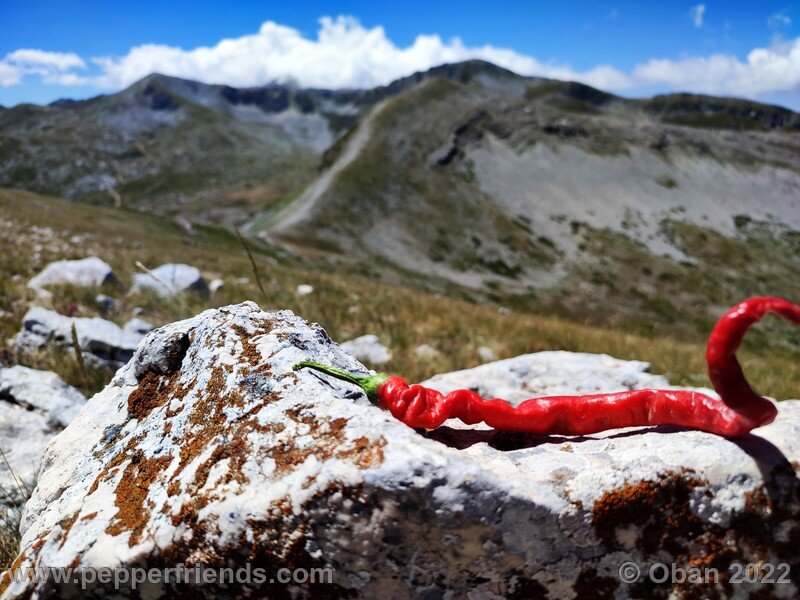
148,395
131,494
250,351
365,452
638,503
7,576
66,525
328,440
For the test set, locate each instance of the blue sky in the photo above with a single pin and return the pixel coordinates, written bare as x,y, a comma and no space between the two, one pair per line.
77,49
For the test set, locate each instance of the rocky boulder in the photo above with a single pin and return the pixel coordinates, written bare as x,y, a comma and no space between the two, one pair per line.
103,342
207,449
34,406
87,272
170,279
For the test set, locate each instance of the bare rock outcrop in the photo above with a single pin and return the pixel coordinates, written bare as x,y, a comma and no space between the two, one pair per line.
208,449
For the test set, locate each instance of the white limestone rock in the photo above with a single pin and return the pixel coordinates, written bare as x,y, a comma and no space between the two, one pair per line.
86,272
170,279
304,289
34,407
215,285
103,342
138,326
426,352
106,304
486,354
368,348
550,374
208,448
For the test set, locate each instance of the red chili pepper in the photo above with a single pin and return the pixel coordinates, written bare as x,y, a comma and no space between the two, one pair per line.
739,410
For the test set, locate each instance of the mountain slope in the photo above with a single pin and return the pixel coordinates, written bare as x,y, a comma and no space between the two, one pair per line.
556,196
173,146
467,179
177,147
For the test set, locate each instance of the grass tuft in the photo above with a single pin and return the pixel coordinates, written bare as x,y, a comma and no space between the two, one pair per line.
11,514
256,274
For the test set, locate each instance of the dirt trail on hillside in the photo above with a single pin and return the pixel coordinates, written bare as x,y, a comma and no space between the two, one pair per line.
300,208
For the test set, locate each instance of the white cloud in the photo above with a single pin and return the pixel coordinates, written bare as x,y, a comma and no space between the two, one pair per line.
697,13
765,70
9,74
52,67
778,20
59,61
344,53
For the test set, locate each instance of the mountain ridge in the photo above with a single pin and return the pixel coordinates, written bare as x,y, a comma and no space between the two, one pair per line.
554,195
466,179
457,70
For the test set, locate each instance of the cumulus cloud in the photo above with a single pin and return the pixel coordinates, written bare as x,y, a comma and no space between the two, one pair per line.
60,61
9,74
697,14
52,67
765,70
344,53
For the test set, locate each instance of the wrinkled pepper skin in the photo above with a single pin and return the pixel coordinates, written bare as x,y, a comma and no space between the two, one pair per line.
425,408
739,410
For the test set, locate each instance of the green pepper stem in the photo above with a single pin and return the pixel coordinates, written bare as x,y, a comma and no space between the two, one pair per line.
368,383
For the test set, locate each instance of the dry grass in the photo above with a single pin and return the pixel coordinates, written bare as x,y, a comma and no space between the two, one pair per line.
10,516
346,305
9,536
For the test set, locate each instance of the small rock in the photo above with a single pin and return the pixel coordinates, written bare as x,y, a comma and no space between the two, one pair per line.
242,280
170,279
137,310
102,342
138,326
486,354
86,272
304,289
426,352
34,407
106,304
215,285
368,348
